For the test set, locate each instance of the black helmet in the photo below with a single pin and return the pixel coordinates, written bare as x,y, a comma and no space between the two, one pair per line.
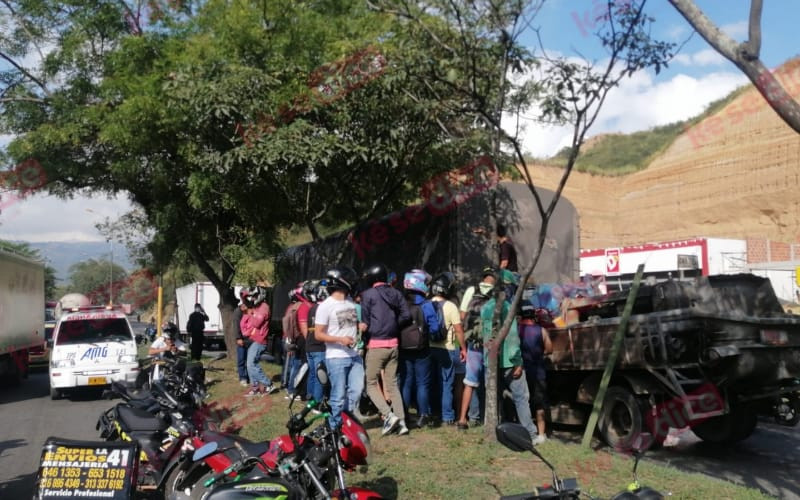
321,290
375,274
342,278
309,289
169,331
444,284
256,295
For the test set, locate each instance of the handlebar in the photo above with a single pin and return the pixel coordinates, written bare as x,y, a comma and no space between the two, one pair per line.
567,489
297,422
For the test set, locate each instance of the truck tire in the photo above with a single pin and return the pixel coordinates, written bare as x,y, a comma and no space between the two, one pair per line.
620,418
731,428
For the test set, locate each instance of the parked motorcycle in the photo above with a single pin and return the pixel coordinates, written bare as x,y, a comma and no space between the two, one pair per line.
516,438
295,465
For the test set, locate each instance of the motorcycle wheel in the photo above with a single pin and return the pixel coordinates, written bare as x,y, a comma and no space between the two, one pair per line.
196,479
789,413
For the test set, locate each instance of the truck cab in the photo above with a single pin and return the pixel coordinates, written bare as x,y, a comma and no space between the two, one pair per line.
93,346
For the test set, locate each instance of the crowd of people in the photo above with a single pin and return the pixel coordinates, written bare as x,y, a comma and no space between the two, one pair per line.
407,345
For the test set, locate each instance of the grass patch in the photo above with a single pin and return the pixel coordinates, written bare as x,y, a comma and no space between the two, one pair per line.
444,463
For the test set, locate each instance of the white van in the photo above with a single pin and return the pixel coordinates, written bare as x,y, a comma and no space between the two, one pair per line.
92,346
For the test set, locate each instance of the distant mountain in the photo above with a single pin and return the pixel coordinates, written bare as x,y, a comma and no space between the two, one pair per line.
61,255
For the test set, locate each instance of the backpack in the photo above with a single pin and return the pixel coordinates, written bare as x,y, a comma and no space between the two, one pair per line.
291,329
472,321
414,336
438,333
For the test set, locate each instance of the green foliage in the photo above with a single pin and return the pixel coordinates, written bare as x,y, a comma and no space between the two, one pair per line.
622,154
32,253
95,278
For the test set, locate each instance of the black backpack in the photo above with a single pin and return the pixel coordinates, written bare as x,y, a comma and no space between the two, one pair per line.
414,336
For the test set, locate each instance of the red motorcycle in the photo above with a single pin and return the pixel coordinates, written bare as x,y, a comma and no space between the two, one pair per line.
296,465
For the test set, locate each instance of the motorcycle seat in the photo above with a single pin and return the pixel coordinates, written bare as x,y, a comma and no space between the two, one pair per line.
136,419
226,440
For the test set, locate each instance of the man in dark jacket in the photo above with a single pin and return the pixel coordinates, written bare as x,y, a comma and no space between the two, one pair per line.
383,310
195,326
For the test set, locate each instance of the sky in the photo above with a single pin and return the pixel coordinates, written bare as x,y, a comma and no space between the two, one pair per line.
696,77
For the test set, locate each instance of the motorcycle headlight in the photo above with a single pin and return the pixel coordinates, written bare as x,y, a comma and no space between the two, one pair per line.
127,358
63,363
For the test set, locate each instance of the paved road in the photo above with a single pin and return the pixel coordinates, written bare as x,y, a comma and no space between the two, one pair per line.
28,417
768,460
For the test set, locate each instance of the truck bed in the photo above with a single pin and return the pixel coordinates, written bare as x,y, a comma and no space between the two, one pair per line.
731,327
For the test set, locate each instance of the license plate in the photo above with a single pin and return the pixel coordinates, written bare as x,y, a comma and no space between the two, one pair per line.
97,381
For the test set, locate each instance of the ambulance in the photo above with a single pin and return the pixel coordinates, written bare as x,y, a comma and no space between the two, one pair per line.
92,347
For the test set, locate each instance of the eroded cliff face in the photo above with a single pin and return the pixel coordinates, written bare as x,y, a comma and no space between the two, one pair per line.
736,174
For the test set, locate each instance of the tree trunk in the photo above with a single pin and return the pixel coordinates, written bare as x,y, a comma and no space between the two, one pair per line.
227,304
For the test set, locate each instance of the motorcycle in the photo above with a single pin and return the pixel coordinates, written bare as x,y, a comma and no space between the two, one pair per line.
516,438
160,420
296,465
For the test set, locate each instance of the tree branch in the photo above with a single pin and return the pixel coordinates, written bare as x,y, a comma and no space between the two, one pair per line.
740,55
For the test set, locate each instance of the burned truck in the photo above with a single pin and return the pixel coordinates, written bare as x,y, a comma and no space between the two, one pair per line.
711,354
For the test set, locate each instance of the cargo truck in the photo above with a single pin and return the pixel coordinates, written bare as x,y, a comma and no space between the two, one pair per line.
205,294
21,313
712,354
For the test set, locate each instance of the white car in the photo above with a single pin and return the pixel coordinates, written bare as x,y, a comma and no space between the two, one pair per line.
92,346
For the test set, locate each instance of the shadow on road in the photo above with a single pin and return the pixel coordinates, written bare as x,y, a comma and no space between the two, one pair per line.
35,386
18,487
11,444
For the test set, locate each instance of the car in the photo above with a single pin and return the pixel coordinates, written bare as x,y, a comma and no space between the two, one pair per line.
93,346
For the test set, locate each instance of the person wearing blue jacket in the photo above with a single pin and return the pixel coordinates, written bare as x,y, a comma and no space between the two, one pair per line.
383,310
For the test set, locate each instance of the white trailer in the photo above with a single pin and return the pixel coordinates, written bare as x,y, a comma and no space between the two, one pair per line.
205,294
21,312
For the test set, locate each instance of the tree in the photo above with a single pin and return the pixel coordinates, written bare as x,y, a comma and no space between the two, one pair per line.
160,113
485,69
97,280
746,56
33,253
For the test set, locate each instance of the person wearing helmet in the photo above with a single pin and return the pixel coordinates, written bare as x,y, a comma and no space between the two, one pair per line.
383,310
295,324
315,349
255,326
336,324
449,354
415,364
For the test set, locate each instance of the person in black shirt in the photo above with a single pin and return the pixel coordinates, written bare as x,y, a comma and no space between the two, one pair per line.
195,326
508,254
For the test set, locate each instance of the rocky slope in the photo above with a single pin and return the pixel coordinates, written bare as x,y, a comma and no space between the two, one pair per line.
735,174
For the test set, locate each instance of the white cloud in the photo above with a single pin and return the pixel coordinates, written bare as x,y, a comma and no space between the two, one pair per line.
738,30
678,31
640,103
42,217
705,57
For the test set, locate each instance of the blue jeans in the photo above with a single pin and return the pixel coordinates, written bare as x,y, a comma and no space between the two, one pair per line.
444,373
314,387
254,370
241,362
415,375
521,397
347,384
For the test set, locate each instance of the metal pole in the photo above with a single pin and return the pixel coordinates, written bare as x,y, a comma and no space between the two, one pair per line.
111,276
612,358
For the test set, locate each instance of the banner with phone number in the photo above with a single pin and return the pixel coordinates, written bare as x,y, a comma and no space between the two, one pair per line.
87,469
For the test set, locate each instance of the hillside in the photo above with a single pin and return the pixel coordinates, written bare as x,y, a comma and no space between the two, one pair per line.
735,172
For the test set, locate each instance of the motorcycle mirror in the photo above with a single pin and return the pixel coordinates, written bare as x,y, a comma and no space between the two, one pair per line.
322,373
514,437
204,451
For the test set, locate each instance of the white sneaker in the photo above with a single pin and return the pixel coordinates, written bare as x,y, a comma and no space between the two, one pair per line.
244,383
390,423
539,439
402,430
